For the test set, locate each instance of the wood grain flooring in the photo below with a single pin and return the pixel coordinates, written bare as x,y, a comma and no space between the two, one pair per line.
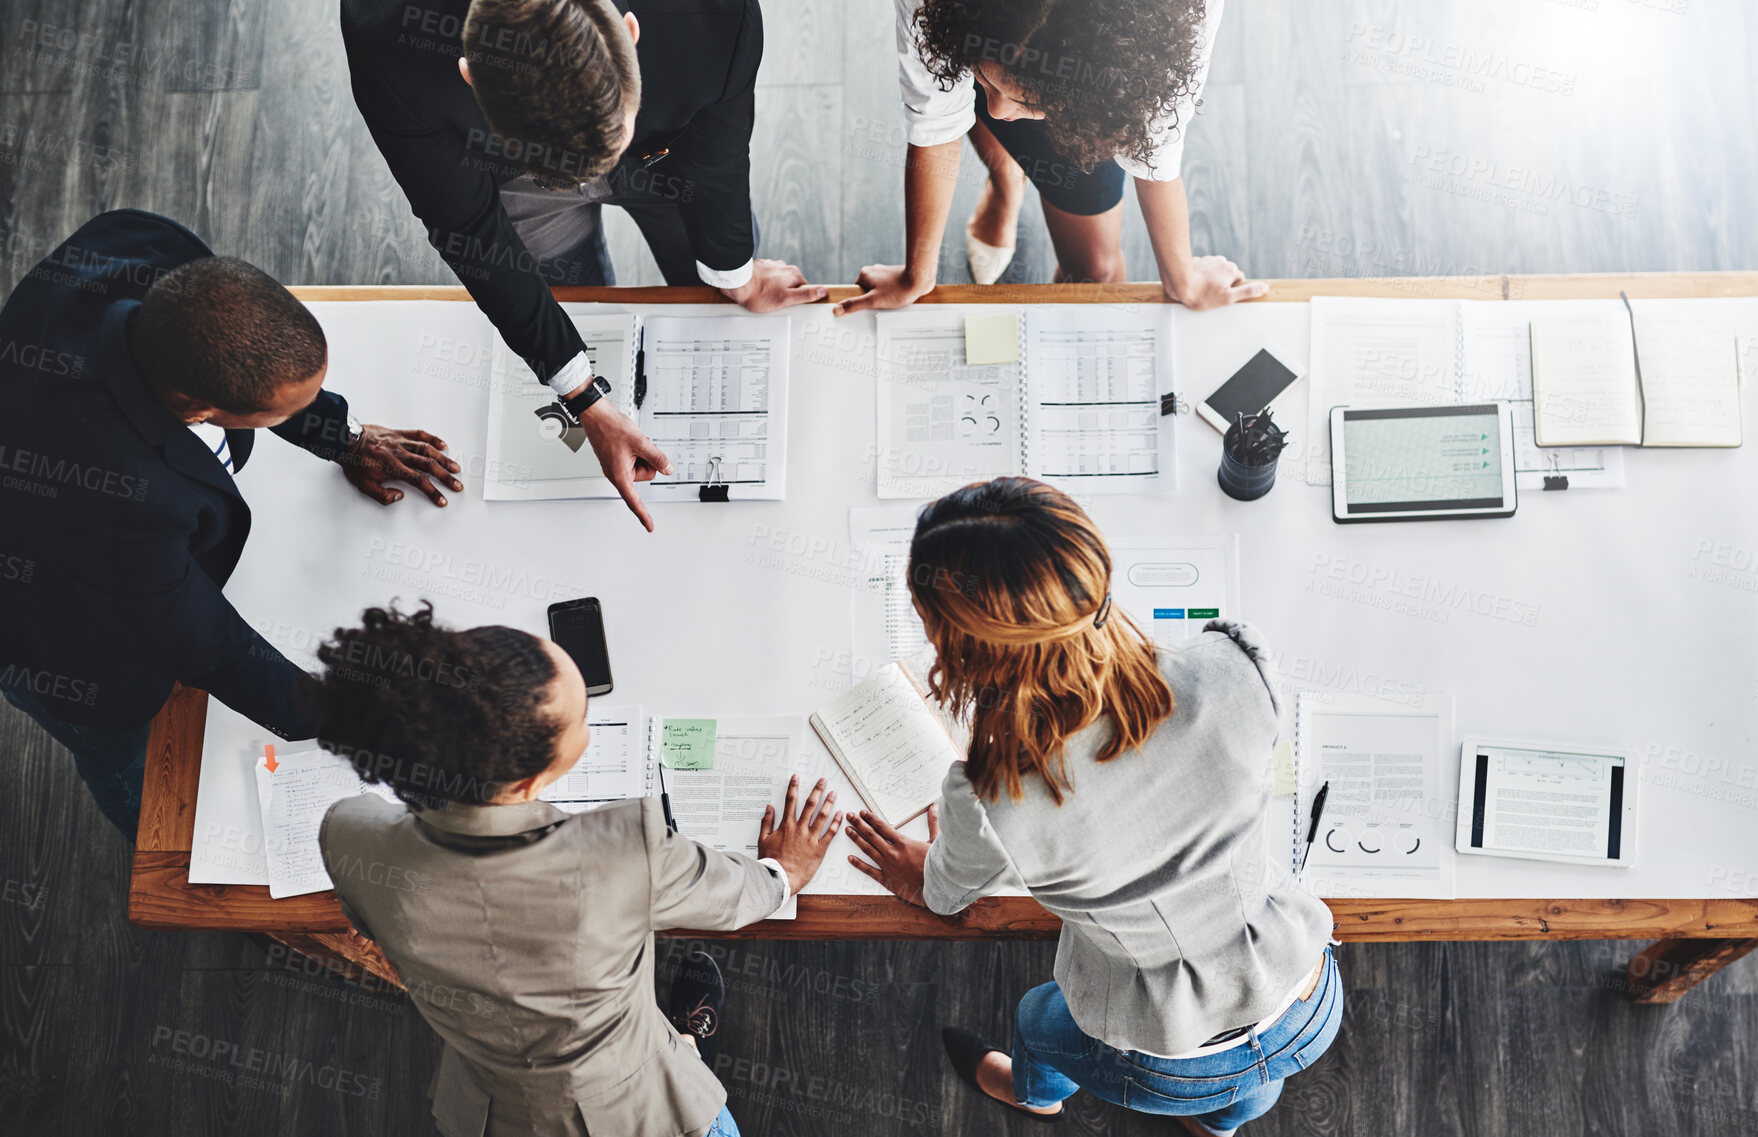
1343,138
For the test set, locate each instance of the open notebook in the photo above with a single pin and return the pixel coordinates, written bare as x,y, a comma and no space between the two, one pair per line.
711,391
892,742
1611,378
1077,403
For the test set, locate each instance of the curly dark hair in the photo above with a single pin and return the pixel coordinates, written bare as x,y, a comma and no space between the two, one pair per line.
1104,72
435,713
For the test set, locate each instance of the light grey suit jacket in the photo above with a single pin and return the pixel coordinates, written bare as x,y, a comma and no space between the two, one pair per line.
524,936
1180,918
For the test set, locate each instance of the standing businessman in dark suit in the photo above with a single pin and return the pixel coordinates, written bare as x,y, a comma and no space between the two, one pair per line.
509,123
135,367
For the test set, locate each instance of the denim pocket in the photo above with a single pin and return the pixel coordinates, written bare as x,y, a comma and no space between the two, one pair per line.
1143,1099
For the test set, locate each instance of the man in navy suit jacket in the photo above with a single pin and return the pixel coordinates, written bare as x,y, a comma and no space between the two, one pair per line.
135,367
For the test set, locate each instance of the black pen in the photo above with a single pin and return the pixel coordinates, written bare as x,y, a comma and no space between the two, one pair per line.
665,801
1318,812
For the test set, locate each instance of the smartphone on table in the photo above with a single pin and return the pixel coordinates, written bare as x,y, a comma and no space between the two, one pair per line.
578,627
1253,388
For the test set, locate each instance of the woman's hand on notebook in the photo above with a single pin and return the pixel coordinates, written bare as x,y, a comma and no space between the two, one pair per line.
897,860
804,835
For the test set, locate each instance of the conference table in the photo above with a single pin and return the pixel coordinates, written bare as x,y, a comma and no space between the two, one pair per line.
1636,615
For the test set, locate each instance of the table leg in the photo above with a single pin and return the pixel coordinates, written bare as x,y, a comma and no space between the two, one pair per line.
1669,968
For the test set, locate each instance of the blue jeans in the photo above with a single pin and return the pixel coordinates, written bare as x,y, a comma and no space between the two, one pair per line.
1052,1059
724,1125
112,761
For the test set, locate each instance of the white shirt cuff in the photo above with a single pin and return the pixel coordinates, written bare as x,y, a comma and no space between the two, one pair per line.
936,129
787,892
728,278
576,372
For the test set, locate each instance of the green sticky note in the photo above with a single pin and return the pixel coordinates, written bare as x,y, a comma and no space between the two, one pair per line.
991,339
687,744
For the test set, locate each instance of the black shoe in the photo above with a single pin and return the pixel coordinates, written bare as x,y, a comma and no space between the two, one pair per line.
693,1006
965,1050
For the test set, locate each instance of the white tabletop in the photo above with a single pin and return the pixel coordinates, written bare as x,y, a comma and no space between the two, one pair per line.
1618,617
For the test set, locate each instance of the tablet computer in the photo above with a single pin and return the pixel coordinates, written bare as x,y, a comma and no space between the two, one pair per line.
1546,803
1422,463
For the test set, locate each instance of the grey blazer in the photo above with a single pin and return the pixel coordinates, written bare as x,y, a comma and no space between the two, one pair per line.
1180,918
524,936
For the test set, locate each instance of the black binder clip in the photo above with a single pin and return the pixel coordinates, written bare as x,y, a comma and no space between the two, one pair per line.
1169,403
714,489
1556,481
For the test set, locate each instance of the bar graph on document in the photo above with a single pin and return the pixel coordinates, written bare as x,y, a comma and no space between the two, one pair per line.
717,403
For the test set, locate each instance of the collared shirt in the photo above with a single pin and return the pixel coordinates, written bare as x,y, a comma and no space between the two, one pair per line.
933,115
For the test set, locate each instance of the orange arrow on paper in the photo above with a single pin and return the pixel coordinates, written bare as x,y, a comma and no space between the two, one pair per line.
268,758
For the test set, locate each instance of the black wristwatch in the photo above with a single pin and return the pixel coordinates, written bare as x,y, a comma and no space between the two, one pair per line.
572,408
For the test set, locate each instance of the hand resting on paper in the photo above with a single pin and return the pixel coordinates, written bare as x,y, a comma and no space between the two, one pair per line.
898,861
802,838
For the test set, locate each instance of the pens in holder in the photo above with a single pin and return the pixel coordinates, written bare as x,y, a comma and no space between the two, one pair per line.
1318,812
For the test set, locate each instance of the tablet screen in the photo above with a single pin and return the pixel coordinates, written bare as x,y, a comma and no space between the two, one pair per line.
1547,802
1422,458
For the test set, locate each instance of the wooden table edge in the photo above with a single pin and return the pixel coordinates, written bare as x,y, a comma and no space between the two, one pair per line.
1540,286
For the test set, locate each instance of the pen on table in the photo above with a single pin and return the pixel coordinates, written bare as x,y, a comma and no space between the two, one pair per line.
665,801
1318,812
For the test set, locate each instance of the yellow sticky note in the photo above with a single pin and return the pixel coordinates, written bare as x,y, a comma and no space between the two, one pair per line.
991,339
1282,770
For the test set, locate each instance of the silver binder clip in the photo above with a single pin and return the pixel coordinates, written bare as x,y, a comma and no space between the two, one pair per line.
714,489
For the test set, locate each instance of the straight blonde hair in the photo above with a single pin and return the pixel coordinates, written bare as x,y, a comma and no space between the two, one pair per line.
1013,582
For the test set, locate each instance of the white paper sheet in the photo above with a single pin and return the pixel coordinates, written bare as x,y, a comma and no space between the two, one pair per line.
294,797
1172,590
531,458
883,616
614,766
754,755
717,404
943,423
1094,376
1388,819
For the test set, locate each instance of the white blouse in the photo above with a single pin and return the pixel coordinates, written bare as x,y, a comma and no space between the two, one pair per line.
933,116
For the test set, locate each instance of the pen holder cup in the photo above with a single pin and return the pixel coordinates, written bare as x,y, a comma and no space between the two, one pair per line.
1240,480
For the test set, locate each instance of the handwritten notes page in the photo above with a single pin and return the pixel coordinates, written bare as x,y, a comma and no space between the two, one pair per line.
1584,379
890,743
294,797
1690,378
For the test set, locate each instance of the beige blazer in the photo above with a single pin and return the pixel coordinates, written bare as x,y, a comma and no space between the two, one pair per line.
524,936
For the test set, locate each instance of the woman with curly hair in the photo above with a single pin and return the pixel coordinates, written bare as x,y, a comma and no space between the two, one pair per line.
523,934
1125,786
1072,96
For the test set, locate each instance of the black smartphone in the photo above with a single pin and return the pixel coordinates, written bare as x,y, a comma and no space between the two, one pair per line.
578,626
1253,388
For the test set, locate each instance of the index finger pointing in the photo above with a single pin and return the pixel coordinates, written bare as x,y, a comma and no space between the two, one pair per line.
626,487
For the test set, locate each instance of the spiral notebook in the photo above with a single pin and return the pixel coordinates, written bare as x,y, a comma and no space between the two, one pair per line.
1387,825
1078,405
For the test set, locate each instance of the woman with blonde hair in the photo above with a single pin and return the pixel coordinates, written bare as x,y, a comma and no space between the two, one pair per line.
1125,786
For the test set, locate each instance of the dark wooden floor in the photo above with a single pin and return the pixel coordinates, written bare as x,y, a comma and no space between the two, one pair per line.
1370,139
